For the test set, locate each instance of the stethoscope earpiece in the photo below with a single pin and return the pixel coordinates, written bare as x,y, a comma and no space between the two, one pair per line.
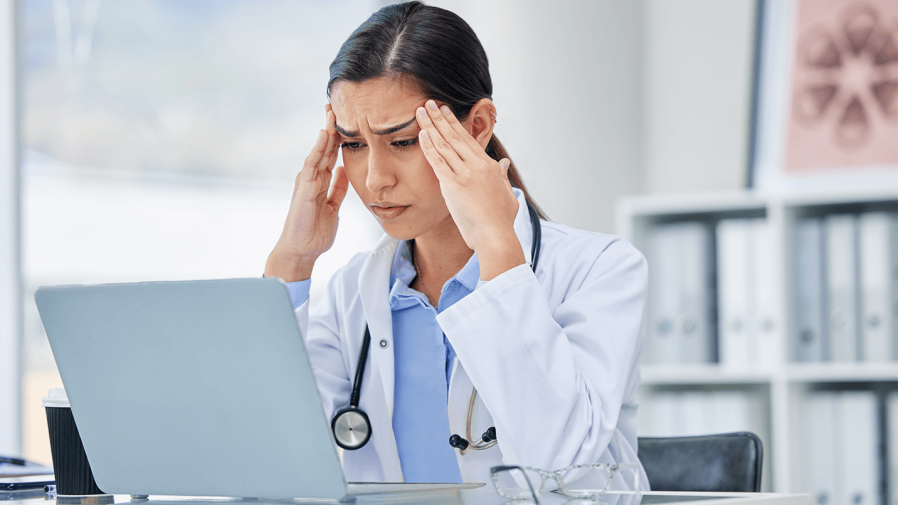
487,440
458,442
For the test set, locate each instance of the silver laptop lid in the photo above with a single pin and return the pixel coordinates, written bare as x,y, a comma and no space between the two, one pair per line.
199,388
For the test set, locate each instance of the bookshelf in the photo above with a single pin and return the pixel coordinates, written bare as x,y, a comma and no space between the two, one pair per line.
784,386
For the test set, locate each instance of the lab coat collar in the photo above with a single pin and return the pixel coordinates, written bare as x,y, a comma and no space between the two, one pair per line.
522,226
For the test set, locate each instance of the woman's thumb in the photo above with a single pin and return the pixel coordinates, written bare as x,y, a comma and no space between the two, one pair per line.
504,163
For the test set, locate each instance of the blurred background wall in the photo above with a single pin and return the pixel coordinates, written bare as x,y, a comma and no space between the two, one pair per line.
603,99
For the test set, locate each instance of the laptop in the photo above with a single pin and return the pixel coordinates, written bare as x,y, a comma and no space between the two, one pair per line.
196,388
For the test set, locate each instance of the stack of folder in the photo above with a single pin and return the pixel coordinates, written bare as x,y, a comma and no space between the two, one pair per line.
844,278
843,448
846,281
747,325
680,294
687,413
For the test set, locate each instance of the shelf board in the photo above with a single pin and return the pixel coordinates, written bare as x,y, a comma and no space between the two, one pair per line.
711,373
842,196
843,372
659,205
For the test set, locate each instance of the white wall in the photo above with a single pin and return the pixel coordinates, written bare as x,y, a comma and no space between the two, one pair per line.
10,290
698,81
567,86
599,99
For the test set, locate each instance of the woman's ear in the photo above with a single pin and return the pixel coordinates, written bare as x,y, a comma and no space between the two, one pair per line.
481,121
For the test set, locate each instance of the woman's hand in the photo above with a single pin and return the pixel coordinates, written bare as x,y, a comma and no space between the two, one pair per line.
475,187
312,220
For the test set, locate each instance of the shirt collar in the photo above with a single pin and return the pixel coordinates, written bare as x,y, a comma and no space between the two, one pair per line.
402,273
402,270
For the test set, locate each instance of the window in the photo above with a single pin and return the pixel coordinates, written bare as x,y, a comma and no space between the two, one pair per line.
161,143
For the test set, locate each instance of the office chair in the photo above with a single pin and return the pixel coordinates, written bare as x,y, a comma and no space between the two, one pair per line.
729,462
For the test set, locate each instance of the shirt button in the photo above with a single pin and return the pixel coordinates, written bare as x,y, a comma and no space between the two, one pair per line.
383,344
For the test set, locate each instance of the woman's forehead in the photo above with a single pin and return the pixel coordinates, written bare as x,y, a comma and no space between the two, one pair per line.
374,104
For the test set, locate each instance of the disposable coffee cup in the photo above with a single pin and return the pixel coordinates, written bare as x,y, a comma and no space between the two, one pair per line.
70,465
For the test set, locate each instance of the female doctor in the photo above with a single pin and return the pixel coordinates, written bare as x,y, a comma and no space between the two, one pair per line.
445,325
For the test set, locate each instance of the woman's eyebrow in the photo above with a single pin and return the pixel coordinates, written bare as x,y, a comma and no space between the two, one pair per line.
385,131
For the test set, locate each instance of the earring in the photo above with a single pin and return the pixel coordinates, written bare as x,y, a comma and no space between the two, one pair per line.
493,115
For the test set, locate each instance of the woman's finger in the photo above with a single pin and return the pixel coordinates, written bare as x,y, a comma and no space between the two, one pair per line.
504,163
437,141
338,189
470,142
309,165
441,168
443,126
333,144
318,150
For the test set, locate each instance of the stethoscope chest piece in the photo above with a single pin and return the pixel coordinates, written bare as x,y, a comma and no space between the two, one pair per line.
351,428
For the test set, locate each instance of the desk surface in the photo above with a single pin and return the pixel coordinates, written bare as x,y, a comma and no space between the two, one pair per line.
481,496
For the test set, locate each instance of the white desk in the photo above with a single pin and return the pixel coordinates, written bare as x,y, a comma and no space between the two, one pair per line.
482,496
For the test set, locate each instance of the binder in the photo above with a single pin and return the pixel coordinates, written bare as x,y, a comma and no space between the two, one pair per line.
663,256
766,327
732,412
822,451
809,333
698,413
879,335
646,413
666,418
841,286
741,411
696,335
735,294
857,427
892,450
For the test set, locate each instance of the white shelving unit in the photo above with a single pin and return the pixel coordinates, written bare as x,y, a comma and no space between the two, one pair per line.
786,384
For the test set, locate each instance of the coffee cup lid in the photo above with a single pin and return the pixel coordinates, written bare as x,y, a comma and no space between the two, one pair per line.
57,398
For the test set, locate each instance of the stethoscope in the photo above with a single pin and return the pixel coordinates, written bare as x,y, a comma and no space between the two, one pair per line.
351,426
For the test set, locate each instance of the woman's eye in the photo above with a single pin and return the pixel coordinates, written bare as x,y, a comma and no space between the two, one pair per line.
405,144
351,146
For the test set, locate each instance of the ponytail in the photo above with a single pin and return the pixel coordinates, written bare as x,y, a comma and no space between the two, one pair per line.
496,151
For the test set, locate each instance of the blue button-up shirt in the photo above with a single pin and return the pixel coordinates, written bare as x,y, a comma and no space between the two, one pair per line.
423,360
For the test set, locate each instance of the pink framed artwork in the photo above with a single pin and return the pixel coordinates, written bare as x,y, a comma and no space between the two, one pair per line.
827,96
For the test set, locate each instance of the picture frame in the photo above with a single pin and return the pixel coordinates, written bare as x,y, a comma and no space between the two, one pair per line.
825,106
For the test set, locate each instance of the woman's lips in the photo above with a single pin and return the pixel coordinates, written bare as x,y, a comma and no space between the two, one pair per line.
388,212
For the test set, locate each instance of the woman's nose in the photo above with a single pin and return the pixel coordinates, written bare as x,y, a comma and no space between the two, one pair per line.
380,174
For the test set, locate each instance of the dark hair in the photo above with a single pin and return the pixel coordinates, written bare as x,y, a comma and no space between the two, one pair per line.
436,51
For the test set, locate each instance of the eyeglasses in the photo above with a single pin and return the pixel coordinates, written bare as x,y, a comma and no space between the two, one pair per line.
517,482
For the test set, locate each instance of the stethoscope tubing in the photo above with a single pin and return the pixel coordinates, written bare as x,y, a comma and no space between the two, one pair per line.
360,369
352,409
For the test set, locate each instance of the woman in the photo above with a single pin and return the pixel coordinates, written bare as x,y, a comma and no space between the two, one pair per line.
448,294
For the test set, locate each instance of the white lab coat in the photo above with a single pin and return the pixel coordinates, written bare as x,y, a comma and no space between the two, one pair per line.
554,356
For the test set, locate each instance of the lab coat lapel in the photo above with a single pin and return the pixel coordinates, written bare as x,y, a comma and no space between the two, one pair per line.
522,227
374,289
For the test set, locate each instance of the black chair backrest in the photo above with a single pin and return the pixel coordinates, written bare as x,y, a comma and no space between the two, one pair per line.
729,462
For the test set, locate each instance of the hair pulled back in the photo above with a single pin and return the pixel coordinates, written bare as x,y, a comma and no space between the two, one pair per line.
436,51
